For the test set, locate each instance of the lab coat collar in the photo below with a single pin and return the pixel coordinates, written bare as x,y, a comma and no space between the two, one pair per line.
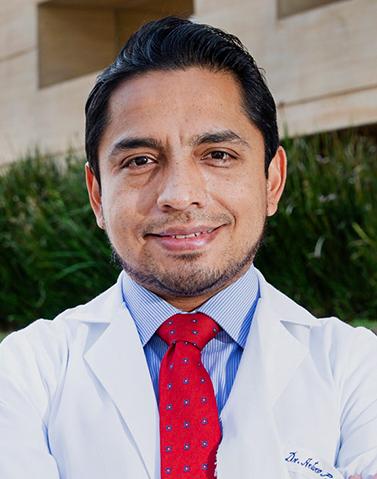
117,359
281,307
104,308
272,355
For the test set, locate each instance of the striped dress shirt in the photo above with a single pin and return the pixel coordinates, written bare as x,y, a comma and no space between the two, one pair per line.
232,308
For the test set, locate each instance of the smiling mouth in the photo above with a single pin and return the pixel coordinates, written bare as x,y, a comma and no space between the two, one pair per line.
180,238
185,236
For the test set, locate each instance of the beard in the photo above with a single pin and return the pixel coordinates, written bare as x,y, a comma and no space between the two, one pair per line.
190,278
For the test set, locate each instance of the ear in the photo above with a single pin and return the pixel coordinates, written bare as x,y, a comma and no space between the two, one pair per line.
277,173
94,192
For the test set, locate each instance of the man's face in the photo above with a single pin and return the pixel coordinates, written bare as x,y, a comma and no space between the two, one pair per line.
184,195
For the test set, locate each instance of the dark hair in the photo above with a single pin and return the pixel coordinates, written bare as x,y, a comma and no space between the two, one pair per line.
170,44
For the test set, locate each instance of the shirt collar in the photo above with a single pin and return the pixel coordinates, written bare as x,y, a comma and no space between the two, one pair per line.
232,308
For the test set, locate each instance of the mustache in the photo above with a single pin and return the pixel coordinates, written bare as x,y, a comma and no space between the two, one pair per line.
185,218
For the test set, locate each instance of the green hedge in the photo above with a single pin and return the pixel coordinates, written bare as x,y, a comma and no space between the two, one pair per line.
321,248
53,256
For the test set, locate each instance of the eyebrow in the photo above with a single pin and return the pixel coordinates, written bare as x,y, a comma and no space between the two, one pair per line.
133,143
218,137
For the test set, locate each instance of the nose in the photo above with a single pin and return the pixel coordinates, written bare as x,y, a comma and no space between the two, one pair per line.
182,187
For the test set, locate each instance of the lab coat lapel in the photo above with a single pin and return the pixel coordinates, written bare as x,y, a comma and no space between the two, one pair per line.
117,359
250,446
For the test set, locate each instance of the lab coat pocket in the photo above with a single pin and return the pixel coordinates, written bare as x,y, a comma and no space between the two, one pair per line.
302,464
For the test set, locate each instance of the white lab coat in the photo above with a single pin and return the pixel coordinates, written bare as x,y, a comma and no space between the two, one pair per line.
77,401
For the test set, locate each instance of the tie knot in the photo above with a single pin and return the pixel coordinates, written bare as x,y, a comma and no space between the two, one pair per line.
195,328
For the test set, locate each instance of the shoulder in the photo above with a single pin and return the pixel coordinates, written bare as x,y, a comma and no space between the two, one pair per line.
32,362
54,334
41,339
350,352
35,357
289,312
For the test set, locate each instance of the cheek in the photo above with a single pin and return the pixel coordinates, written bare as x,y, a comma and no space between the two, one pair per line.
246,200
126,215
118,214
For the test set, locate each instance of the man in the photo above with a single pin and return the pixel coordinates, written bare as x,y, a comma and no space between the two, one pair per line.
192,365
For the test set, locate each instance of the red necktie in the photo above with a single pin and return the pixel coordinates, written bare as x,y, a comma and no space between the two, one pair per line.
189,423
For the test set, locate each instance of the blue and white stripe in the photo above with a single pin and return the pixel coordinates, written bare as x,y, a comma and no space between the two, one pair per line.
232,308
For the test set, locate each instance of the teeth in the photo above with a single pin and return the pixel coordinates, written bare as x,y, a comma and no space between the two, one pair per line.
192,235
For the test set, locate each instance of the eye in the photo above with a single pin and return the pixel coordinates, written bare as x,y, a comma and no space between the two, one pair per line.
138,162
219,156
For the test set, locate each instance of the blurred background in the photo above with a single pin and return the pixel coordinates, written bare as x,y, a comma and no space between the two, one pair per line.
320,61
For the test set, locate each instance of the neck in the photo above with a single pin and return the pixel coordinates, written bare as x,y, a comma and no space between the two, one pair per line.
190,303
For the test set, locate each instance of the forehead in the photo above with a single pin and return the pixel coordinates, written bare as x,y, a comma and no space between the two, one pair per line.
180,103
198,85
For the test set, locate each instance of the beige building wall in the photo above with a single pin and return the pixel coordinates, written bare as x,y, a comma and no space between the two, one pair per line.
320,59
320,56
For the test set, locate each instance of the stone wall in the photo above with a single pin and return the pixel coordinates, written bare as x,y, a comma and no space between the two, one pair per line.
320,59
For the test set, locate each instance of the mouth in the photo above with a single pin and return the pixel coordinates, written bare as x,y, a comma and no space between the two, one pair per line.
185,239
183,235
